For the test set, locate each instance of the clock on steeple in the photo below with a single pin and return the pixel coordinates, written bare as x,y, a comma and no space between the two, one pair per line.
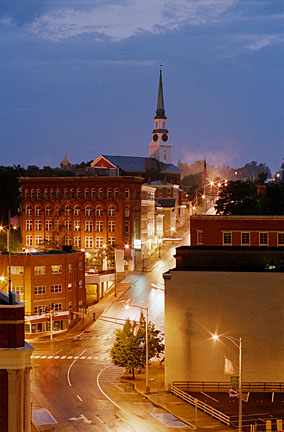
160,135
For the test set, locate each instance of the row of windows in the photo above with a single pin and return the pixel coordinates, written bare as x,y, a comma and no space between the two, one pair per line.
68,226
41,270
263,238
89,242
57,307
38,290
72,193
76,211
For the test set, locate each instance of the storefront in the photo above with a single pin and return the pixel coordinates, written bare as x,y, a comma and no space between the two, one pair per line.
42,323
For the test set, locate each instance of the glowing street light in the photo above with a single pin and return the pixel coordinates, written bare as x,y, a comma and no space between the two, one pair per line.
145,308
238,343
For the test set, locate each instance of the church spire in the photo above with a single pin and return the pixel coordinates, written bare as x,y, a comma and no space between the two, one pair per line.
160,111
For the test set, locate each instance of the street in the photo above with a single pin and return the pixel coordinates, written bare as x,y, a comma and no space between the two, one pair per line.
75,380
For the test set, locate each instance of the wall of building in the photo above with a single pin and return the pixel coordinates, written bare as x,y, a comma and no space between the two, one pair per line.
240,304
65,270
211,230
59,211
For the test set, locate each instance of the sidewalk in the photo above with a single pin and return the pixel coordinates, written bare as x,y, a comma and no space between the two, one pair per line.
171,403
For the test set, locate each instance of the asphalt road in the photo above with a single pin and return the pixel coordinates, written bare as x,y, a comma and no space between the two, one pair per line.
76,381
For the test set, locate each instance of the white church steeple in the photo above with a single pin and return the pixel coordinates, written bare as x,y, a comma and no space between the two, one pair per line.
159,147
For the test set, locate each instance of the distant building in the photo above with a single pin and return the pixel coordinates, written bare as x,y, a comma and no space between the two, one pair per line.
236,292
65,164
44,279
263,231
15,367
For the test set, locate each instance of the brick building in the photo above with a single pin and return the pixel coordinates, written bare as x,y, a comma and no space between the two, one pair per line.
237,231
43,279
15,366
82,212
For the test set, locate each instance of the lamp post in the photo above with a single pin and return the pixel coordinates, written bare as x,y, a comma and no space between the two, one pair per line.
238,343
145,308
8,232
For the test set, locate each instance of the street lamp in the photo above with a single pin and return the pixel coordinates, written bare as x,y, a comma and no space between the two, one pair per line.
238,343
145,308
8,232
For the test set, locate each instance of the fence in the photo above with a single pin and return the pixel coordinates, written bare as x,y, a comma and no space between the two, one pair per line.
199,386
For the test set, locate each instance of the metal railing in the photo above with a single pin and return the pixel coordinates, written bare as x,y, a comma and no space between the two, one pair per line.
201,405
199,386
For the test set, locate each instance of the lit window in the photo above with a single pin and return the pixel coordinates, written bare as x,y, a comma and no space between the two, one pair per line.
68,240
16,270
37,240
245,238
56,268
38,225
263,239
39,270
47,210
199,235
37,210
67,225
38,310
77,225
67,210
19,290
280,238
127,194
111,241
48,225
227,239
69,287
29,240
80,284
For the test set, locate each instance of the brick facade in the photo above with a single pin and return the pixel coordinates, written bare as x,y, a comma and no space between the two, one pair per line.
261,231
45,278
85,212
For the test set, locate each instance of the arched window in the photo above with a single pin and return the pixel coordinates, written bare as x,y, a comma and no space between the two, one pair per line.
32,194
99,210
52,194
67,210
109,193
93,193
88,211
48,210
29,210
66,193
116,193
58,193
45,193
100,194
27,193
87,194
37,210
77,210
127,194
38,193
78,193
72,193
111,210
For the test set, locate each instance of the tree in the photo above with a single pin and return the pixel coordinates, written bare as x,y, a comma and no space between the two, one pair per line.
238,198
273,199
126,352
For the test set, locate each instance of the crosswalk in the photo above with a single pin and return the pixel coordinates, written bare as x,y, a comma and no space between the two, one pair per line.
70,357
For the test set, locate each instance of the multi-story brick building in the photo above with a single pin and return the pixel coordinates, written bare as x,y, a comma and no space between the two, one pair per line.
15,366
82,212
43,279
261,231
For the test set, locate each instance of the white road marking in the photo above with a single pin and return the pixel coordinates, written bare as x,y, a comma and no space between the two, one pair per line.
89,358
80,399
62,357
56,357
82,358
68,371
69,357
50,357
82,417
42,357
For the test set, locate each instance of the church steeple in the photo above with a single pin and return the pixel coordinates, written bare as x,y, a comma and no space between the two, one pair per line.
160,148
160,111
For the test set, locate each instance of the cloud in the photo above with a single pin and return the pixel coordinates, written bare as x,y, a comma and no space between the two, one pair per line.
260,41
120,21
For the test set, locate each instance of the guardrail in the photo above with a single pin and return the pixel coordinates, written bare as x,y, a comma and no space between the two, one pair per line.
201,405
198,386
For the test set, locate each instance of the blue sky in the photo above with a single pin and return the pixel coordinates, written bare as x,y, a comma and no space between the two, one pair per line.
81,77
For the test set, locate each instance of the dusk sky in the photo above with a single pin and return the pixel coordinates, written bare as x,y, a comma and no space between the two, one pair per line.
81,77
